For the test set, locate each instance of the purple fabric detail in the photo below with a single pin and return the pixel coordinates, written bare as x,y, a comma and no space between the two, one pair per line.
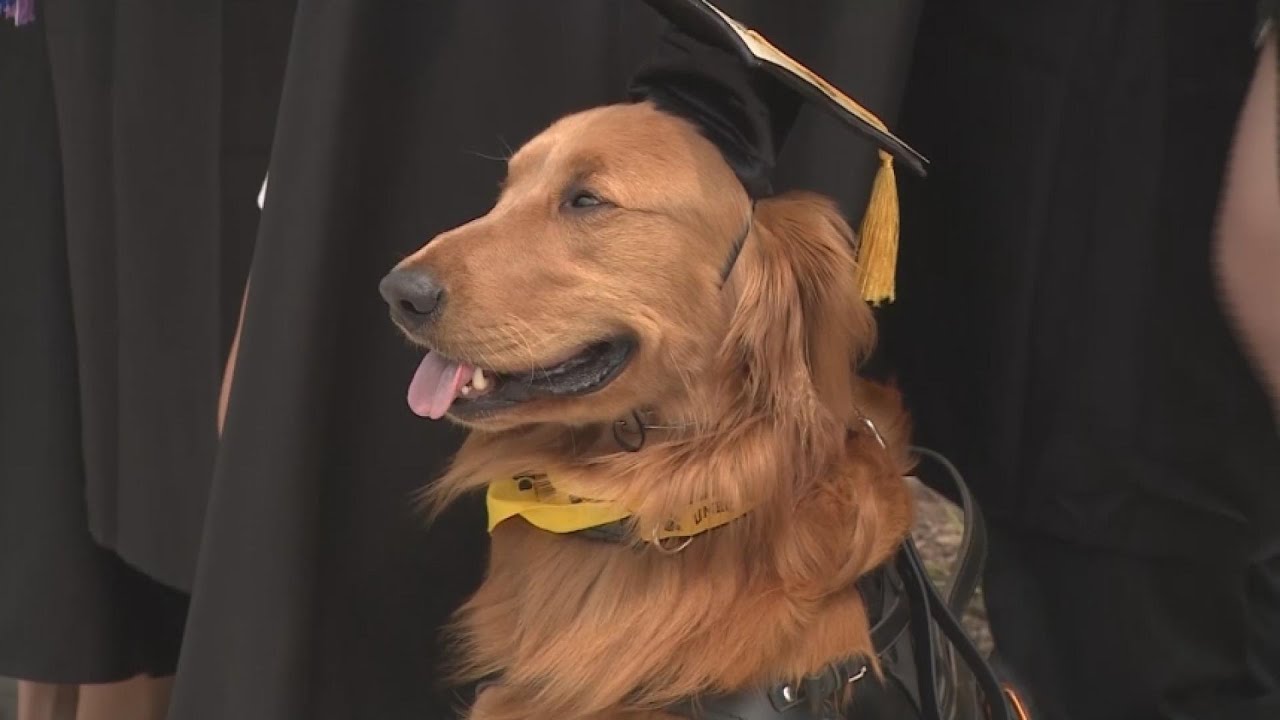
20,12
26,12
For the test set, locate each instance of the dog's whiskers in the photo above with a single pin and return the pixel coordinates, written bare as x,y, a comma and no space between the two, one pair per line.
685,380
486,357
534,364
495,158
699,415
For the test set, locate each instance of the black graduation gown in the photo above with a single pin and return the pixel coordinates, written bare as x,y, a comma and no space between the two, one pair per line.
1058,335
321,592
133,138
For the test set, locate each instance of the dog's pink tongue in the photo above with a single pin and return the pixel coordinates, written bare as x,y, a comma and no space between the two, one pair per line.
436,385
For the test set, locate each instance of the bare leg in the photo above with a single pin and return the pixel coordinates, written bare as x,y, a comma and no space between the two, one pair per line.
229,370
1247,251
42,701
142,698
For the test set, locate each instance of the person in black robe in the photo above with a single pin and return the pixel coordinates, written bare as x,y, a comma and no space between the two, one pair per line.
133,138
1059,335
321,591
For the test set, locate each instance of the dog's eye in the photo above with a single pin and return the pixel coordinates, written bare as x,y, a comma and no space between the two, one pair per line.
582,199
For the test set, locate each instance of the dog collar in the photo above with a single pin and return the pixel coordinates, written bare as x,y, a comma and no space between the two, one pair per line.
535,499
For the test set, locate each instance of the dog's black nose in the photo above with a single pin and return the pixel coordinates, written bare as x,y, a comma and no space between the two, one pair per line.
415,296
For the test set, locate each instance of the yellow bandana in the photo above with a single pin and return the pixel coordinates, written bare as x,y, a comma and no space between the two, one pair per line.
534,498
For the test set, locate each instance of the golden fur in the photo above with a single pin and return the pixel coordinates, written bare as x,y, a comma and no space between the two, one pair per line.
754,380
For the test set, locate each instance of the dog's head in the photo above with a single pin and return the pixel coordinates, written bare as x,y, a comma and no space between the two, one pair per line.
607,278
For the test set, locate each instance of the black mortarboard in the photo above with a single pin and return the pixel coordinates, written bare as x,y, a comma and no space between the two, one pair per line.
744,94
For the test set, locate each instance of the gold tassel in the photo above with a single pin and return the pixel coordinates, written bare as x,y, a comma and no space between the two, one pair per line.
878,245
878,238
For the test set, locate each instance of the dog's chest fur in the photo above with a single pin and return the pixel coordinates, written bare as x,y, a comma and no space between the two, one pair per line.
578,628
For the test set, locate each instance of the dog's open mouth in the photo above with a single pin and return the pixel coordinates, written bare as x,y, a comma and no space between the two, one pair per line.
442,385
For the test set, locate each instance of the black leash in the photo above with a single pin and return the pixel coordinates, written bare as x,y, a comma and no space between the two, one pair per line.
916,637
973,543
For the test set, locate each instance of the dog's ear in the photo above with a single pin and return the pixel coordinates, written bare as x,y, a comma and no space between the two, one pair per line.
801,327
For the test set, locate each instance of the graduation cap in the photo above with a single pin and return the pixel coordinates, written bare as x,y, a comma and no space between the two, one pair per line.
744,93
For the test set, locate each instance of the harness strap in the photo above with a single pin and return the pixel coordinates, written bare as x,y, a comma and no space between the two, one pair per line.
736,249
946,613
928,619
972,554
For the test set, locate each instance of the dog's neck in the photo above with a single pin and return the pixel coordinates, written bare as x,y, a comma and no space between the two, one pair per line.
576,627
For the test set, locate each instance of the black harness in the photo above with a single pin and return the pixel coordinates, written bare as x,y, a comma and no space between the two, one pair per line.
736,249
932,670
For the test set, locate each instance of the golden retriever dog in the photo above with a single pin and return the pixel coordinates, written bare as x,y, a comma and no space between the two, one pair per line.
624,273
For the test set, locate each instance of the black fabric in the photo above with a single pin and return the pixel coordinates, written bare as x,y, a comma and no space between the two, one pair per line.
134,142
320,591
156,267
1057,330
1150,638
70,611
1057,334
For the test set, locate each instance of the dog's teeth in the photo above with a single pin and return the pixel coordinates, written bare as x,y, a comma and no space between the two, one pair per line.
466,389
479,381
